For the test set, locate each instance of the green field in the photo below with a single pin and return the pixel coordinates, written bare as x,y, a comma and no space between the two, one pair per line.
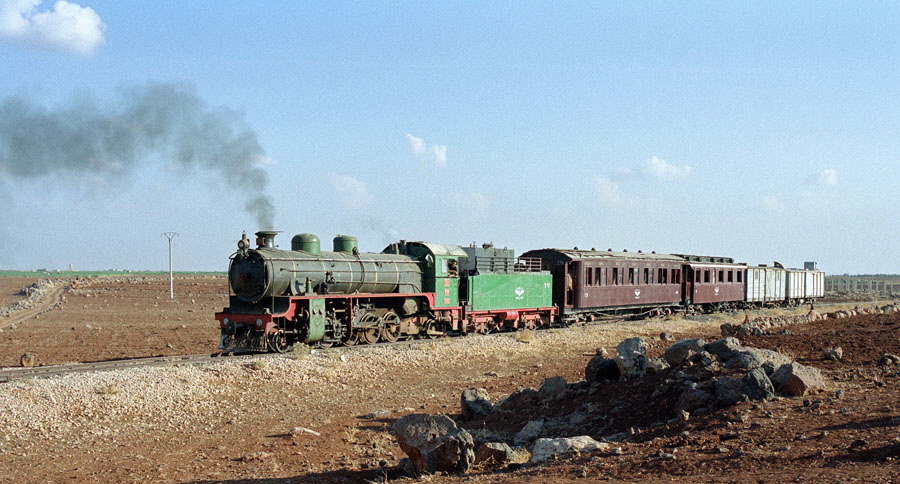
108,273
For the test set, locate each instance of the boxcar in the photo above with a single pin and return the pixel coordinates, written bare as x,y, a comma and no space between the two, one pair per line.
803,285
765,285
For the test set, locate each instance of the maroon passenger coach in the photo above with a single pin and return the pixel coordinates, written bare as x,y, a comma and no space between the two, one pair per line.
713,283
592,283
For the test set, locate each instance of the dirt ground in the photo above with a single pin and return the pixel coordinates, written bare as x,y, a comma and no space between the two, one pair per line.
234,423
108,318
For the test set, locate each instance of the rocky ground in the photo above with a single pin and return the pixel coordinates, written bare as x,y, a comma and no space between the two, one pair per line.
326,416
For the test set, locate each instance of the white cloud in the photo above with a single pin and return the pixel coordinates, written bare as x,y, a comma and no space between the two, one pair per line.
607,190
68,27
440,154
417,145
351,193
658,168
437,154
827,177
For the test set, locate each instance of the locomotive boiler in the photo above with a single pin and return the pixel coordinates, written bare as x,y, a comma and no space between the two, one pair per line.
267,272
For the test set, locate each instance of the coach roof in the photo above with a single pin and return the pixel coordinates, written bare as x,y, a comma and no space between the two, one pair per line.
576,254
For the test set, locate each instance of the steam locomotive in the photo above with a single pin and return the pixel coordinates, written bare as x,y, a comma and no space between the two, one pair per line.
305,295
420,289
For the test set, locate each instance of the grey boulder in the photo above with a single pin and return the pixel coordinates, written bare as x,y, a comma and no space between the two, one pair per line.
679,352
631,357
755,385
434,443
550,449
475,403
797,380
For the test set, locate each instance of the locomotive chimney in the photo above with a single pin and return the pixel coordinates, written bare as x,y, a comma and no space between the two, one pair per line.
266,238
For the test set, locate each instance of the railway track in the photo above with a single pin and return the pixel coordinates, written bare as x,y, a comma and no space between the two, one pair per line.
10,374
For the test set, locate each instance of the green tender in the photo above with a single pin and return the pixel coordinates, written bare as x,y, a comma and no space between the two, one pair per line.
509,291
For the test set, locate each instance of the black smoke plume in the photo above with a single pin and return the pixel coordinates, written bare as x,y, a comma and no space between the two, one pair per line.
149,123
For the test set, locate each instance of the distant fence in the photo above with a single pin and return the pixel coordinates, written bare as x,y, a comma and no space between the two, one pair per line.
888,285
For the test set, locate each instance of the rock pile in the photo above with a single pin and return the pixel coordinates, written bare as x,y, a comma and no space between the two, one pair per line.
766,325
846,313
693,378
33,293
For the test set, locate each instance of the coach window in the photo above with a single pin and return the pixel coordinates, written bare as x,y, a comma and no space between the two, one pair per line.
706,275
631,275
696,276
646,276
676,277
615,276
598,281
588,281
740,276
730,276
721,275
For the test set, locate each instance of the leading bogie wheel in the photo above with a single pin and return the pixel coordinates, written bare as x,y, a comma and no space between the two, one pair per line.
350,339
277,341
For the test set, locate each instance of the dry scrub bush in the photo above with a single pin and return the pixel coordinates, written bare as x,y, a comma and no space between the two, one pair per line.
300,351
257,365
526,336
107,390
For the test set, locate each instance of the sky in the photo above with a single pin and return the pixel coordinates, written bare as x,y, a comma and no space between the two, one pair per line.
762,131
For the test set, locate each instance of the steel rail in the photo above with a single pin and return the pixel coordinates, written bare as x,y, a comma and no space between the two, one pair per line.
10,374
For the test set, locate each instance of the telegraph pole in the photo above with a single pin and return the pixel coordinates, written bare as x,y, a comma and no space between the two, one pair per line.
170,236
